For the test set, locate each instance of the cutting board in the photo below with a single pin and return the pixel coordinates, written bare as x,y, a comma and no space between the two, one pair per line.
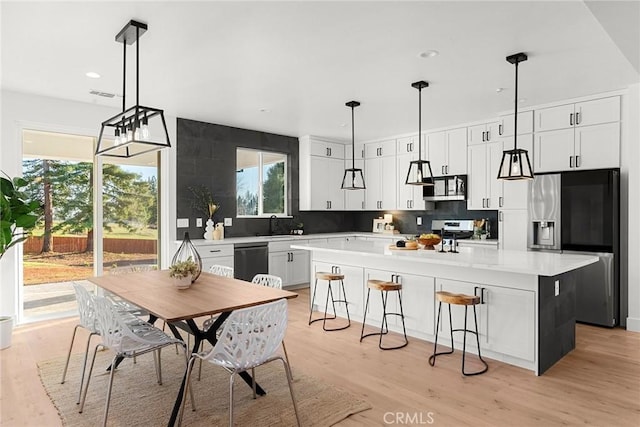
395,248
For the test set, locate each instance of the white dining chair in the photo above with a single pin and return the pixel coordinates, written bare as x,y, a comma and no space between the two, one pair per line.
250,338
87,321
221,270
126,341
128,269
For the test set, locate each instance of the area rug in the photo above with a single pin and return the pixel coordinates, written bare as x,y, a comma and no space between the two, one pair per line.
138,400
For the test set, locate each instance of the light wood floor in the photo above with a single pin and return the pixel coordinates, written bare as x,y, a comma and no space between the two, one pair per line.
596,384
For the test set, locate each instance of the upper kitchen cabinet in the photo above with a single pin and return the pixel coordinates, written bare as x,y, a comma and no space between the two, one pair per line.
321,172
448,152
584,135
354,199
380,175
484,190
525,124
409,196
486,132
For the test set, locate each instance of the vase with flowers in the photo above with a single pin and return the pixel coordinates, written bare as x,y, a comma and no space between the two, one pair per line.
204,203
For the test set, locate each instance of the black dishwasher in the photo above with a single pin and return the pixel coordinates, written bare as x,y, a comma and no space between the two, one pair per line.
250,259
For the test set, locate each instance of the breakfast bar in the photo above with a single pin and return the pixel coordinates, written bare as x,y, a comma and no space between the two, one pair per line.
527,312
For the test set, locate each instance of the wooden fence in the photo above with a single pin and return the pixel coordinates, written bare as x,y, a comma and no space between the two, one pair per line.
33,245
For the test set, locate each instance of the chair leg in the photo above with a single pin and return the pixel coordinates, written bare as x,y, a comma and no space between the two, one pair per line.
486,366
86,387
231,378
344,297
187,388
66,365
404,330
313,298
109,388
84,365
287,369
286,356
364,320
432,358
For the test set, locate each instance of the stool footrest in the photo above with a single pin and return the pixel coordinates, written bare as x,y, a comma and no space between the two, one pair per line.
380,346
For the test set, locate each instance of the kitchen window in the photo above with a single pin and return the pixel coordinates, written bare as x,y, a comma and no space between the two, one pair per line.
261,183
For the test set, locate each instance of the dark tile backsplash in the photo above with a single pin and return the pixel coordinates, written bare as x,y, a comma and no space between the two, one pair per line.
206,154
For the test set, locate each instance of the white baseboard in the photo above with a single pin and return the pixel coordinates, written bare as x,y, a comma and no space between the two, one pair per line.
633,324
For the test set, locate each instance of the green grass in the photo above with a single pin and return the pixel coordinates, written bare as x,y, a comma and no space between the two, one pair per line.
116,233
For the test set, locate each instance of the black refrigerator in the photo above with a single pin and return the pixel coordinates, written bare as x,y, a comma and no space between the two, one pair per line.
578,212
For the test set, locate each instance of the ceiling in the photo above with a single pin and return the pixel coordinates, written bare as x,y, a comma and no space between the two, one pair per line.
289,67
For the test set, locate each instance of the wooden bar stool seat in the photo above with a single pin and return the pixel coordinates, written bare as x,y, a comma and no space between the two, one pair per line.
334,276
466,301
384,287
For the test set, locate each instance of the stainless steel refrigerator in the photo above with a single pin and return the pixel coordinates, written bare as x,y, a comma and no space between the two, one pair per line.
578,212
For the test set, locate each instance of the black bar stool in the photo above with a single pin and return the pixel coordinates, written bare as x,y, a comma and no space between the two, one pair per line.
330,277
384,288
466,301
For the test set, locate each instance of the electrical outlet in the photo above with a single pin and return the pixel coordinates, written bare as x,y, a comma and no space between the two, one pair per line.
183,223
228,222
557,290
198,222
419,220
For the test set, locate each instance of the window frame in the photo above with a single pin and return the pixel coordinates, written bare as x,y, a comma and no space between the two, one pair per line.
261,213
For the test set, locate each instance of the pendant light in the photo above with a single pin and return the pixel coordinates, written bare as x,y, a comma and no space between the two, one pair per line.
419,170
131,129
515,164
353,178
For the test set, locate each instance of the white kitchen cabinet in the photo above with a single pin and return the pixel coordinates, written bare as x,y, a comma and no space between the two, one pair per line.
512,229
482,133
506,318
353,280
409,197
447,152
289,264
484,188
215,254
586,113
506,124
354,199
584,147
380,175
321,171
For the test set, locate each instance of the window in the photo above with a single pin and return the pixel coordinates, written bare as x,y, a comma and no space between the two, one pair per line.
261,183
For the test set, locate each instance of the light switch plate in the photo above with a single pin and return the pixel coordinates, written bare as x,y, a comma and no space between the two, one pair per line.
419,220
557,286
228,222
198,222
183,223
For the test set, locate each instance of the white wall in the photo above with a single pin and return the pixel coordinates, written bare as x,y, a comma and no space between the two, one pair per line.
21,110
632,131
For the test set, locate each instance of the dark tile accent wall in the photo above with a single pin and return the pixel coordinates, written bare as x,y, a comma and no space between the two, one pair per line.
206,155
556,319
405,221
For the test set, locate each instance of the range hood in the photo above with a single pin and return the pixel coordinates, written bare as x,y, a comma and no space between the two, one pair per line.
446,188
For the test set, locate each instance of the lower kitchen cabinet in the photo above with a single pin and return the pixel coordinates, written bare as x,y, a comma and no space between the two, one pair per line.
289,264
215,254
506,318
353,279
512,229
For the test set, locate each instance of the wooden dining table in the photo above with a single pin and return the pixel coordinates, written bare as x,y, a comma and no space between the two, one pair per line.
155,292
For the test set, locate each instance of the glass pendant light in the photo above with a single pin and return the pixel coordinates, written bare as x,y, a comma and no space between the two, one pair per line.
515,164
353,178
419,170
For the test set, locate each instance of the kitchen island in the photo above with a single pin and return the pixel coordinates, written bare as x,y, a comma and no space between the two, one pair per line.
527,311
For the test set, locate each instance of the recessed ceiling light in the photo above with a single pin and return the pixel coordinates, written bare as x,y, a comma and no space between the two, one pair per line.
428,54
92,75
342,125
265,110
521,100
500,89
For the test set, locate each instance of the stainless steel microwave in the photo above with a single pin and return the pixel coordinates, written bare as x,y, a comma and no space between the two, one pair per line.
446,188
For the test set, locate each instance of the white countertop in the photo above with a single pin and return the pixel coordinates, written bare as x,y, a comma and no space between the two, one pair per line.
284,237
524,262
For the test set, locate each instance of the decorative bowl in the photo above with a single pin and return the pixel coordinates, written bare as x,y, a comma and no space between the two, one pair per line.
430,242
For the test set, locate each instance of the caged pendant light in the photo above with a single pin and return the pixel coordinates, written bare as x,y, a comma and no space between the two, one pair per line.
131,132
353,178
419,170
515,164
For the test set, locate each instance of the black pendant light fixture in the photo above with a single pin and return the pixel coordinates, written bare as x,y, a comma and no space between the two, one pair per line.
131,133
353,178
419,170
515,164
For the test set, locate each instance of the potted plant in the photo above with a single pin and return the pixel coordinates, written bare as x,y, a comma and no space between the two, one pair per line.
18,216
183,272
